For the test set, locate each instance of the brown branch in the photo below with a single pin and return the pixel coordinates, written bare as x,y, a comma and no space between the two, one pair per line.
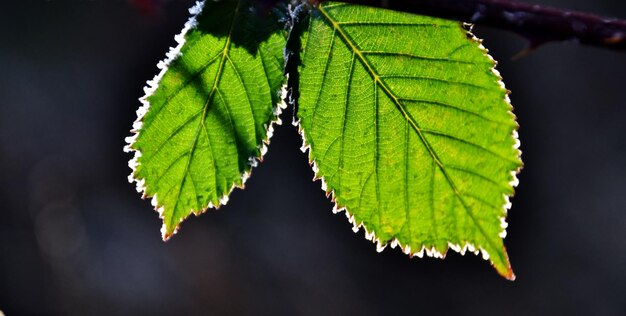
536,23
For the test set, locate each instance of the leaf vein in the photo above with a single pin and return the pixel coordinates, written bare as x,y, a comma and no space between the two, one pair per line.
323,77
413,56
446,81
380,23
477,174
467,142
256,137
454,107
169,137
345,118
193,77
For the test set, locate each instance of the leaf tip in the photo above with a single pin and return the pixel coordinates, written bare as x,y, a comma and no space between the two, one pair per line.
510,276
165,233
507,273
503,266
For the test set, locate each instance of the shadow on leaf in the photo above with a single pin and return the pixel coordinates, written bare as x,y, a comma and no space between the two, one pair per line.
247,23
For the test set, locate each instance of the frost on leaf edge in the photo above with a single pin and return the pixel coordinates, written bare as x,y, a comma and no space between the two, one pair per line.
149,89
433,252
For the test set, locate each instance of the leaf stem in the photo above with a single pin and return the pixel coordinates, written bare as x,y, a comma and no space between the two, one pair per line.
538,24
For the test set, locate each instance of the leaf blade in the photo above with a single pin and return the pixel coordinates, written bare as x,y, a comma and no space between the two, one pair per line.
204,122
358,152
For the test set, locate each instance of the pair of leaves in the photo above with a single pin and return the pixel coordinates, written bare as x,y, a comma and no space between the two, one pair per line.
406,123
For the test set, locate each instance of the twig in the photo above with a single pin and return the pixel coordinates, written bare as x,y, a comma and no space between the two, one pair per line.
536,23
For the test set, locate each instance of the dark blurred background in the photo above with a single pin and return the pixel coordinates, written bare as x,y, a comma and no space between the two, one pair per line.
76,239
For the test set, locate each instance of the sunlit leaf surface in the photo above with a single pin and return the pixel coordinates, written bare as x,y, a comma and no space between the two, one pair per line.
410,128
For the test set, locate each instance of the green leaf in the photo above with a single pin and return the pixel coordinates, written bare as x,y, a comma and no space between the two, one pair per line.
207,116
410,129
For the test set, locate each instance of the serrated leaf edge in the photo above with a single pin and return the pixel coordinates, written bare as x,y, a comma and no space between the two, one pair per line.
430,252
149,89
